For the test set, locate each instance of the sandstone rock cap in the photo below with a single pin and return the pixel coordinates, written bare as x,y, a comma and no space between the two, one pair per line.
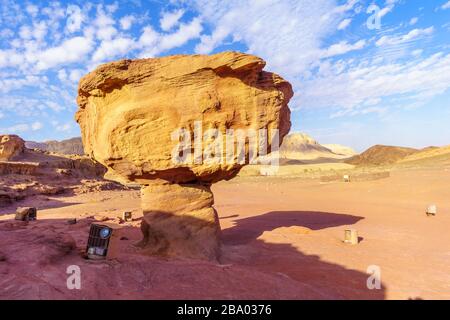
129,109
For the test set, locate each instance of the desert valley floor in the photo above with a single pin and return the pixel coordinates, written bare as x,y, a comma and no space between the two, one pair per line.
282,238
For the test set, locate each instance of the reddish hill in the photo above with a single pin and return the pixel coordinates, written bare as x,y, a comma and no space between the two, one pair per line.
381,155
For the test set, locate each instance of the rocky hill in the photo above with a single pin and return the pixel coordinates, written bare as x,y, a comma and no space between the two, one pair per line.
69,146
27,173
300,146
381,155
341,150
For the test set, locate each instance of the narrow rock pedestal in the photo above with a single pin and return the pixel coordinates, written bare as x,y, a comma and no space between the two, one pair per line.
179,220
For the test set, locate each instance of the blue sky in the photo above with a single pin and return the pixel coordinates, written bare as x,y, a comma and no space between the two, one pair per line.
364,72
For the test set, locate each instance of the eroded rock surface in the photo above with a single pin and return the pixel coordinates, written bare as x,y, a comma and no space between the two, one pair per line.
11,147
130,109
175,214
37,173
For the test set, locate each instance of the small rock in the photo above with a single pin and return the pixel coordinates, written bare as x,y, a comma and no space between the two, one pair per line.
101,218
26,214
431,210
127,216
118,220
72,221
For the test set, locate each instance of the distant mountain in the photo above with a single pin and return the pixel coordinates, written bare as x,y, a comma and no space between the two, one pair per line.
381,155
300,146
69,146
35,145
295,147
341,150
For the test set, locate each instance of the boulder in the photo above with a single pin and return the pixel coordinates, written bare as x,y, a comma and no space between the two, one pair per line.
11,147
26,214
134,113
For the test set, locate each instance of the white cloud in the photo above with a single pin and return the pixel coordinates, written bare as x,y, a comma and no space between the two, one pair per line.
413,21
149,37
75,18
104,24
11,84
417,52
112,7
169,20
287,34
344,24
62,75
70,51
342,48
54,106
36,126
351,86
40,29
186,32
18,128
63,127
154,43
446,6
110,49
389,6
3,58
25,32
19,106
32,10
6,33
126,22
385,11
412,35
75,75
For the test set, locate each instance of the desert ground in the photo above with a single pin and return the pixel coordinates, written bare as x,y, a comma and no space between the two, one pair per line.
282,239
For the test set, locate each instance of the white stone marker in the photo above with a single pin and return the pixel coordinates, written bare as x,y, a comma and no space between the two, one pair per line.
351,236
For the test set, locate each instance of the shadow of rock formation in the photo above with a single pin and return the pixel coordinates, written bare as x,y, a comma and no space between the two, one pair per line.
248,229
330,281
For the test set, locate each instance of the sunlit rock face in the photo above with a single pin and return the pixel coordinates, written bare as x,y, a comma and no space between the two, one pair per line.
134,113
11,147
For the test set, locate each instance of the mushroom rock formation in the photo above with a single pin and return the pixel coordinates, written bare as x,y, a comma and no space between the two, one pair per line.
130,112
11,146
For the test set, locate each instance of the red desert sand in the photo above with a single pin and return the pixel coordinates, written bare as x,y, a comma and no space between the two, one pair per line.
282,239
